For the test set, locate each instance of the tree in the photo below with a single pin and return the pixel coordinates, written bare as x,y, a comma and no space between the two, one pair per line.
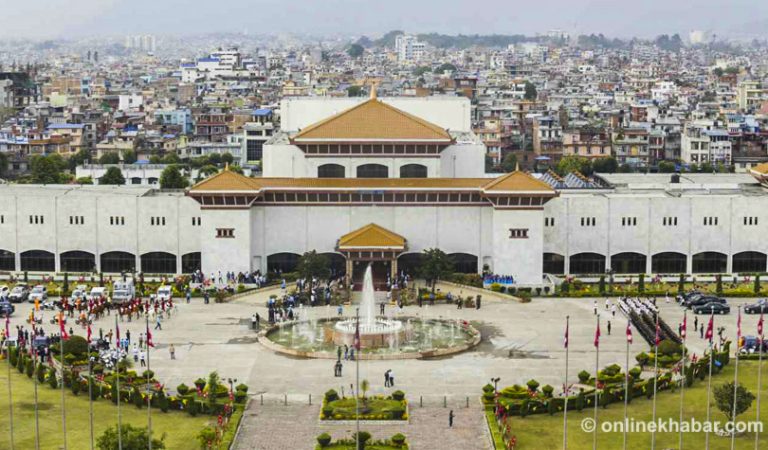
84,180
314,265
724,399
109,158
509,163
445,67
113,176
666,167
129,156
435,264
355,50
605,165
227,158
354,91
572,163
718,72
133,438
214,158
171,158
47,169
530,91
171,178
364,386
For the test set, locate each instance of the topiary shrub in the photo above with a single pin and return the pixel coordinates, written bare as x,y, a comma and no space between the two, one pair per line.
331,395
76,387
488,388
182,389
583,376
40,372
193,408
547,390
361,438
148,374
51,377
241,387
642,359
397,413
200,384
29,368
136,398
324,439
398,395
635,373
398,439
241,396
76,345
533,385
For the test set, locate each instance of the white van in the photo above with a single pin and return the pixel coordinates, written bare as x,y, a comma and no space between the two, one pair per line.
164,293
123,291
97,292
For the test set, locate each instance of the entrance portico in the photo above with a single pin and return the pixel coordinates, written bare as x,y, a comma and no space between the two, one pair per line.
375,245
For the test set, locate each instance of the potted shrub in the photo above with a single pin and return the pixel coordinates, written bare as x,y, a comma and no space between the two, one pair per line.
532,385
583,377
331,396
547,390
361,438
182,389
200,384
398,440
324,439
398,395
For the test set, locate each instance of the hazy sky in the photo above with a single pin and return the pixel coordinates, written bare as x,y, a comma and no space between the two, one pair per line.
644,18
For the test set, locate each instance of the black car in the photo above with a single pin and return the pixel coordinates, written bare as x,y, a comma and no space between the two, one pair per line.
703,300
756,308
6,309
690,298
713,308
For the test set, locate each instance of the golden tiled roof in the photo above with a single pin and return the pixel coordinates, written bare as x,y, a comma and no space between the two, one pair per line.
373,120
517,181
226,180
760,169
372,236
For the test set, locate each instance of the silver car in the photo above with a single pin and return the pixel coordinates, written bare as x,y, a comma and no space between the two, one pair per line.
39,293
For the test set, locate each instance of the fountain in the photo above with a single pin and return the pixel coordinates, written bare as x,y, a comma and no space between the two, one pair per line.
315,336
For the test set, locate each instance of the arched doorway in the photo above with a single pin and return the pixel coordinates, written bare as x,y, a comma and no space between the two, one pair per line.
158,262
337,263
464,262
282,262
413,171
7,260
191,262
409,263
554,263
709,262
331,171
38,261
746,262
587,263
669,262
628,262
117,262
77,261
372,171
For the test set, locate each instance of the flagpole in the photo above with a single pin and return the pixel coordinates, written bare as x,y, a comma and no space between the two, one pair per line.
357,381
759,375
149,392
655,379
117,378
709,381
10,393
684,377
736,378
90,390
565,408
63,405
34,378
626,383
597,366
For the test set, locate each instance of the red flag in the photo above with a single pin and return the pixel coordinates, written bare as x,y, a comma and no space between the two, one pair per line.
149,338
88,329
117,335
64,334
565,339
685,326
356,344
8,325
629,332
597,336
760,325
658,333
738,328
710,328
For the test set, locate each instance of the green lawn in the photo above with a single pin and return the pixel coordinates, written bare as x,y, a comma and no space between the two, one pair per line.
544,431
180,428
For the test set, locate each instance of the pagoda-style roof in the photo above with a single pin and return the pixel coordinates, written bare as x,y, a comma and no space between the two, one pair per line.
760,172
371,237
514,182
373,121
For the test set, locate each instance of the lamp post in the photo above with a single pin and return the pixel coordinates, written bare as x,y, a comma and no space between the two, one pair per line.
495,382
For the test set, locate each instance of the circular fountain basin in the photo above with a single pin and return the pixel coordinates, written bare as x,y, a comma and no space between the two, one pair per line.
404,338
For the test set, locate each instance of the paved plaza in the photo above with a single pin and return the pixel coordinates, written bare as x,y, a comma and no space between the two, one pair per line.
520,341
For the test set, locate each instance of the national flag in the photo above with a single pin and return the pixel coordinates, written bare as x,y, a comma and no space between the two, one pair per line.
738,328
683,328
149,338
710,328
565,339
760,325
62,329
88,329
658,333
597,336
356,344
117,335
629,332
8,325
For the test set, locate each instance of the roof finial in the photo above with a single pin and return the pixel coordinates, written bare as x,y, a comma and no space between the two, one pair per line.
226,166
517,166
373,91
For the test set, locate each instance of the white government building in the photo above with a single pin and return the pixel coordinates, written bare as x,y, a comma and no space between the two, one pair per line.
380,180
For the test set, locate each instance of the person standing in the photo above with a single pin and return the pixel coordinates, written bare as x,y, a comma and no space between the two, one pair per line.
143,358
450,419
391,378
386,378
158,325
609,328
172,351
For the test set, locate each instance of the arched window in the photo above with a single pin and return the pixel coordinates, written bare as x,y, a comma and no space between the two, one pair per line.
282,262
413,171
709,262
116,262
372,171
7,260
190,262
464,262
748,262
158,262
331,171
669,262
38,261
77,261
554,263
628,263
587,263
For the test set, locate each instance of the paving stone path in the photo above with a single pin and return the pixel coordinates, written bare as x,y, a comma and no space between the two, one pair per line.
274,426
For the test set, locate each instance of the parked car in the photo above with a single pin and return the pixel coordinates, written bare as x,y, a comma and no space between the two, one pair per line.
6,308
19,293
4,291
703,300
750,344
39,293
712,307
97,292
691,297
164,293
80,292
761,306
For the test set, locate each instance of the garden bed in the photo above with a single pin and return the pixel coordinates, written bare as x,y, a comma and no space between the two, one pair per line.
372,408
